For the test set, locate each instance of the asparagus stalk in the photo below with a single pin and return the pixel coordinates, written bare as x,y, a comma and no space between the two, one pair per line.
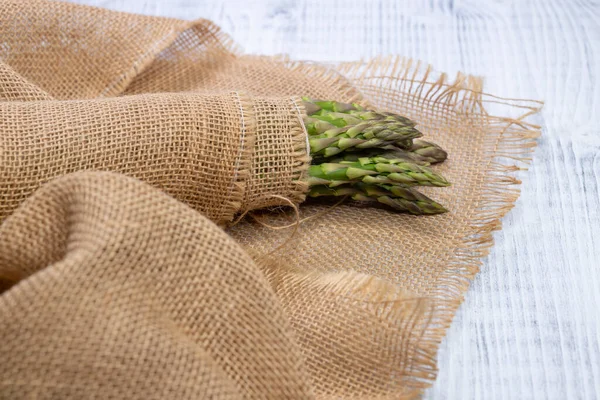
420,152
398,198
428,152
382,155
366,135
376,170
331,111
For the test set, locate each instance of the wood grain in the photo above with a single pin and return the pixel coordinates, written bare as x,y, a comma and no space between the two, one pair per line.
530,325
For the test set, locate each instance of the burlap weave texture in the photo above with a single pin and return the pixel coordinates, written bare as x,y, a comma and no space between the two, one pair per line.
128,142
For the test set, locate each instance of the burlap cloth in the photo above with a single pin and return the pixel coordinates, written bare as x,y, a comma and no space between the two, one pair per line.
127,144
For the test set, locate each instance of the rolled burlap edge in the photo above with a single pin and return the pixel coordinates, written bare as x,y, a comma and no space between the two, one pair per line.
221,153
278,170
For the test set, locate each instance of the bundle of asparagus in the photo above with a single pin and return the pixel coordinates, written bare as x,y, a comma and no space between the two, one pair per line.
374,157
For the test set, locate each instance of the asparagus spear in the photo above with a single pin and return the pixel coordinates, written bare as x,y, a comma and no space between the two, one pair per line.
420,152
395,155
398,198
333,111
427,151
365,135
377,170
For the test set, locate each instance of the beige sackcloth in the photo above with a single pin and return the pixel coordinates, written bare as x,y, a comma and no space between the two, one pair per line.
135,152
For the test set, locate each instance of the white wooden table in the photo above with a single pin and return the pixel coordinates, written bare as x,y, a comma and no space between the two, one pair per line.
530,324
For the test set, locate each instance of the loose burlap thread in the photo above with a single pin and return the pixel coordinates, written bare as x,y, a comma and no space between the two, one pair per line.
129,142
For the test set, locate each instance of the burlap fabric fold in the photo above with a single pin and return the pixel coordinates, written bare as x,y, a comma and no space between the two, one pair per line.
219,153
130,149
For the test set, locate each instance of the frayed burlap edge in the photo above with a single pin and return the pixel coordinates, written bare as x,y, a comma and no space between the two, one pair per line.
509,144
